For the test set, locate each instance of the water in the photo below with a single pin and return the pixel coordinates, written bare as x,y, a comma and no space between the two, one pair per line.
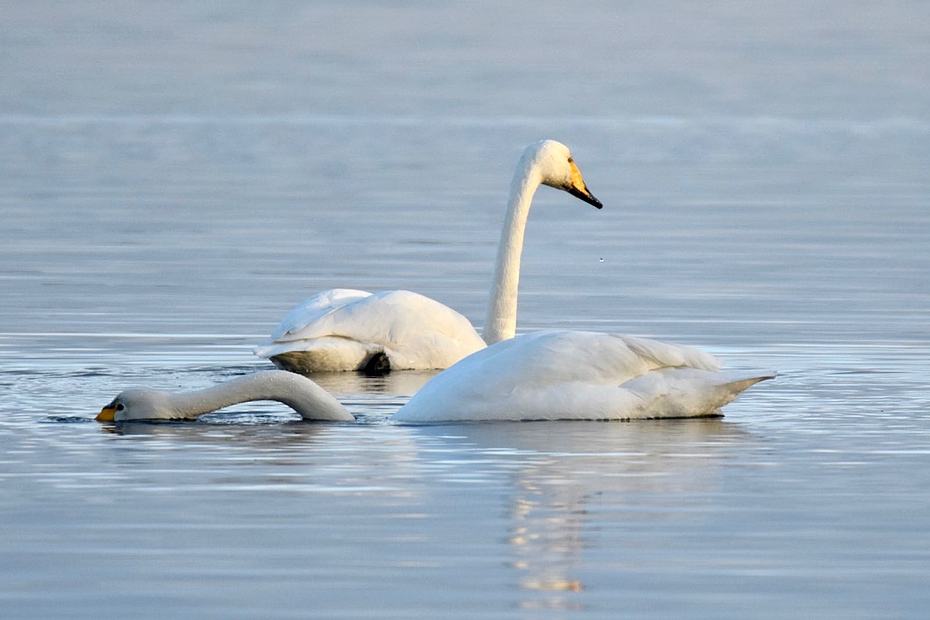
176,177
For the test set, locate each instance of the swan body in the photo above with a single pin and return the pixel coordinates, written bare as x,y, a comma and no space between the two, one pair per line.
299,393
344,329
574,375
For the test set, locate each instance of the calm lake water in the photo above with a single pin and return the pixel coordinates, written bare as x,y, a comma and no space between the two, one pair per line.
176,176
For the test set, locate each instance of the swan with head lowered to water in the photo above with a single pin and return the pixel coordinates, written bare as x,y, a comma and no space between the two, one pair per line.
345,329
297,392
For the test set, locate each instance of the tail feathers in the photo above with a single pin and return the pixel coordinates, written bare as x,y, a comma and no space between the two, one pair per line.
734,377
690,392
728,391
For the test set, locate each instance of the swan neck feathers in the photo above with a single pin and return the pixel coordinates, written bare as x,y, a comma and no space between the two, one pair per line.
501,320
297,392
547,162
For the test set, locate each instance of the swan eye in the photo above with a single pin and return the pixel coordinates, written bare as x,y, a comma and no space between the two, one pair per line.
570,160
120,407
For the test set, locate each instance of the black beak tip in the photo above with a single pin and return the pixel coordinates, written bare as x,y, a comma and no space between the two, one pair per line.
586,196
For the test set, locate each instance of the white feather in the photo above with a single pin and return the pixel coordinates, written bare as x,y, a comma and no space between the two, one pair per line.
572,375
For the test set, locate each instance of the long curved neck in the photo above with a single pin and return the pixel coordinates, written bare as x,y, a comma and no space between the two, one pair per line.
297,392
501,321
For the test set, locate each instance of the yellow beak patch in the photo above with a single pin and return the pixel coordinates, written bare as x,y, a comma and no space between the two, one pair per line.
578,188
107,414
577,181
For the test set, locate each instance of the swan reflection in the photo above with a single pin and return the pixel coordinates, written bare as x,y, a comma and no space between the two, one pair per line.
570,476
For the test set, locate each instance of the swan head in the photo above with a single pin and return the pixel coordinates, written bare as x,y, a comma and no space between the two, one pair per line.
553,161
136,404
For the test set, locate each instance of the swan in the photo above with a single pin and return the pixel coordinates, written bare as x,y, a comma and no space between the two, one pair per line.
347,329
577,375
297,392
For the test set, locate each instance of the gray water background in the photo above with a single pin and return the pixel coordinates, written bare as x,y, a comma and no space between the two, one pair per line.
176,176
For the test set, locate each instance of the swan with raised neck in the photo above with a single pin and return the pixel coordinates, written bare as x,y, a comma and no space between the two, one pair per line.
345,329
543,163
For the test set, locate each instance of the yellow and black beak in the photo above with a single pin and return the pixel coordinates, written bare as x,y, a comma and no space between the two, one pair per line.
578,188
107,414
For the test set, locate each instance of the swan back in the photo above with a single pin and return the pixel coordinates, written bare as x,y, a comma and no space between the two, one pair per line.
551,375
314,309
413,331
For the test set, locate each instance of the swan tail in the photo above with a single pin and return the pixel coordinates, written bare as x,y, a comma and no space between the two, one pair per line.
688,392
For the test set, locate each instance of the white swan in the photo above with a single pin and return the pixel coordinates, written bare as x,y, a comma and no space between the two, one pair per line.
297,392
344,329
573,375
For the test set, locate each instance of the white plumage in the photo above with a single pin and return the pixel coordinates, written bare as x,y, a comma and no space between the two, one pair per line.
344,329
299,393
574,375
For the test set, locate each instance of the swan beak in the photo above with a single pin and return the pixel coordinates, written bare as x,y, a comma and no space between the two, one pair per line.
578,188
107,414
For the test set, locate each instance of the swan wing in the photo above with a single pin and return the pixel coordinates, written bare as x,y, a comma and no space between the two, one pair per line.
418,332
313,309
576,375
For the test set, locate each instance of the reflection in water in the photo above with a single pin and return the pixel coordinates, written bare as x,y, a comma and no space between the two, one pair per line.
547,538
246,429
259,456
395,384
568,477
